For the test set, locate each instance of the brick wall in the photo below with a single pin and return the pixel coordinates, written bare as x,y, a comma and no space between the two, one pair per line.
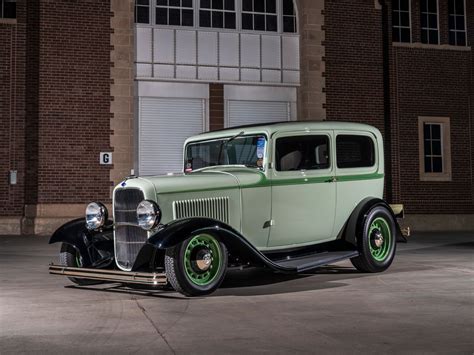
425,81
12,111
216,106
74,101
434,81
354,62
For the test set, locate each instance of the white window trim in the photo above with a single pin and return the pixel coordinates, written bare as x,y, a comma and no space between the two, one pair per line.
429,28
410,19
238,22
211,10
465,26
446,175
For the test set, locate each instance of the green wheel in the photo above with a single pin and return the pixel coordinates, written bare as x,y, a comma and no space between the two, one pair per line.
197,266
376,241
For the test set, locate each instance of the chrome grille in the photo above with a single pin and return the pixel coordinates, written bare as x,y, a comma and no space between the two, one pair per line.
215,207
129,239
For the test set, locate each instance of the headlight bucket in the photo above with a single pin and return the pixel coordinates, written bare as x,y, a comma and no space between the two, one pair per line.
96,215
148,215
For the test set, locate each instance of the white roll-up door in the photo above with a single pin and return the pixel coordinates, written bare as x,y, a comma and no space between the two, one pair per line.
244,112
164,124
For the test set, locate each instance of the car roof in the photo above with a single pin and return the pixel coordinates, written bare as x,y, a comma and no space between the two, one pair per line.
293,126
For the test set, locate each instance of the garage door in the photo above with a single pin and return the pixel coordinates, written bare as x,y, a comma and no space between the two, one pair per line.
253,112
164,124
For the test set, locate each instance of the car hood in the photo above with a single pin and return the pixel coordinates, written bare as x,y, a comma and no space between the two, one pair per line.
207,180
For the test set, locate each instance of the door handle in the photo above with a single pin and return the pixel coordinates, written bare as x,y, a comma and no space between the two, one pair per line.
332,179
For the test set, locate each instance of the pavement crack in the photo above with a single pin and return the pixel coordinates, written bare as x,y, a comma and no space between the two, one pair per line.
162,336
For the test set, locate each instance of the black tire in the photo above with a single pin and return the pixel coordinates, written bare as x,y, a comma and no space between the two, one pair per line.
179,277
373,256
69,256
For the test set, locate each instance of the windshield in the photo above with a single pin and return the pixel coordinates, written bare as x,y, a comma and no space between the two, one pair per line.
238,150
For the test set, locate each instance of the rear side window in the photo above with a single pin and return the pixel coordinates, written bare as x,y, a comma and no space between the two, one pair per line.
302,153
354,151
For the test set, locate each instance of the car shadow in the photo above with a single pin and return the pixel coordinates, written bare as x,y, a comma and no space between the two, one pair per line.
259,281
247,282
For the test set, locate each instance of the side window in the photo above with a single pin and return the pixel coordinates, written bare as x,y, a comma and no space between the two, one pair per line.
429,21
401,24
217,14
259,15
354,151
7,8
435,150
175,12
302,153
142,11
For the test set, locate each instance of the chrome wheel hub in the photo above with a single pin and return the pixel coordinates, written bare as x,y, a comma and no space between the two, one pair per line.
377,239
203,260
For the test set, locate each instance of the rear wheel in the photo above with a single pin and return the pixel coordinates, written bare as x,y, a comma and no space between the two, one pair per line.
70,256
197,266
377,242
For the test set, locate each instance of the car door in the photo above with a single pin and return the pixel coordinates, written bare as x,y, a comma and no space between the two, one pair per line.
359,171
302,187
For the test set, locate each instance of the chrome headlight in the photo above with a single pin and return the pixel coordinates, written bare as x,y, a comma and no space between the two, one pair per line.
96,215
148,214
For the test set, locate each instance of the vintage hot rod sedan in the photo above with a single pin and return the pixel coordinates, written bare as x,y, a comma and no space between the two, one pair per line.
287,196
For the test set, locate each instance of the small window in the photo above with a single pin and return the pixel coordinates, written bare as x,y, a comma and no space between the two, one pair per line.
401,22
175,12
7,8
435,161
259,15
354,151
289,17
142,11
217,14
457,22
429,22
302,153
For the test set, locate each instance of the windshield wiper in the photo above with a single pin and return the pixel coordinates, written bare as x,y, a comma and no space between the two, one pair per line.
224,144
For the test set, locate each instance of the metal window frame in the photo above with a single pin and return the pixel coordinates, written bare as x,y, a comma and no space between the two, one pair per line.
400,27
455,30
431,140
211,10
446,174
428,29
238,22
155,6
135,14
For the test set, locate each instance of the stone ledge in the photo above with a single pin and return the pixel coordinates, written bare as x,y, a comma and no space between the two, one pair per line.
439,222
420,45
10,226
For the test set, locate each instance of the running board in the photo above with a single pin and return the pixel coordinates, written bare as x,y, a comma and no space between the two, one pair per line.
313,261
141,278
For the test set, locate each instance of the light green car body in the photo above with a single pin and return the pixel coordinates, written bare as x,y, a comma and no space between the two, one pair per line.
272,209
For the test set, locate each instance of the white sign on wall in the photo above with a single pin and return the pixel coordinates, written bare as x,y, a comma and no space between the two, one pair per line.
105,158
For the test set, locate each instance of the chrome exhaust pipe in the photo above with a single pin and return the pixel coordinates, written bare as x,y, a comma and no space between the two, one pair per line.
140,278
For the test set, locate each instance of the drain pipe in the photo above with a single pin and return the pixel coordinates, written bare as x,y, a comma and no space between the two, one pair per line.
386,100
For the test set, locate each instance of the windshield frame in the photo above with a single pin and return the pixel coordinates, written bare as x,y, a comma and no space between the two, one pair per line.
225,139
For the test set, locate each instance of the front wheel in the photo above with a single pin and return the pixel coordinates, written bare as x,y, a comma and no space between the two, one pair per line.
70,256
376,242
196,266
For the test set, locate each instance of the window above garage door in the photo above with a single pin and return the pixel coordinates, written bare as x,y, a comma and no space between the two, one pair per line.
252,41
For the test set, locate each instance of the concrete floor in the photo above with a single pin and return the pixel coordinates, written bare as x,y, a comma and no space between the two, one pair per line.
423,304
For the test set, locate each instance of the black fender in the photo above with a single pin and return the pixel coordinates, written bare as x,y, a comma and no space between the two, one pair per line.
90,244
355,222
178,231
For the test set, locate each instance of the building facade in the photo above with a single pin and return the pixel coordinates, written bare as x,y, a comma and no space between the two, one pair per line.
135,78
